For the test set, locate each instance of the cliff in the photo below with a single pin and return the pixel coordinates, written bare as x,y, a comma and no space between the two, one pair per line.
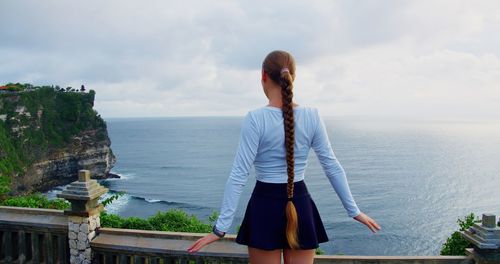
48,134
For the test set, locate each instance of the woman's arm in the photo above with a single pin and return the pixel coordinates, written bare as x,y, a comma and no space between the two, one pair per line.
245,156
332,168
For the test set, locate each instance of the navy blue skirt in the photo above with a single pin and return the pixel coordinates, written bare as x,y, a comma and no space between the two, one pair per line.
264,223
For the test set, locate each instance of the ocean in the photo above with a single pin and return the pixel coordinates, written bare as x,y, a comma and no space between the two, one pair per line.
415,178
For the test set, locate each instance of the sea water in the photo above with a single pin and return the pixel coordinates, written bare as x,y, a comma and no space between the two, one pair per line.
415,178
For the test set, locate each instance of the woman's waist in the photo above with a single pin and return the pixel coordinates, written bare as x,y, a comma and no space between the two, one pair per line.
277,176
279,190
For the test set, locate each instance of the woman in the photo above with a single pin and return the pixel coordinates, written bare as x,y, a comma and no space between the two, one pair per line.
281,215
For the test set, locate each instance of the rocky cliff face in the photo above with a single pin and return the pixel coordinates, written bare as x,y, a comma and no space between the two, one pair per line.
61,165
51,135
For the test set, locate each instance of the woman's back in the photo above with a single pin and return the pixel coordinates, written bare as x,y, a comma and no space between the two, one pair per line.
262,145
270,160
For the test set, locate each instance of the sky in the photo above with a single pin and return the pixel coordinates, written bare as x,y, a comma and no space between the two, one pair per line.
387,59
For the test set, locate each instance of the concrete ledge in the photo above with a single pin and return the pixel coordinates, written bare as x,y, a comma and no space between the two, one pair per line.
146,242
160,242
33,218
27,210
160,234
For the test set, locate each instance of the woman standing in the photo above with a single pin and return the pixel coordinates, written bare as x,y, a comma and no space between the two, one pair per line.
281,216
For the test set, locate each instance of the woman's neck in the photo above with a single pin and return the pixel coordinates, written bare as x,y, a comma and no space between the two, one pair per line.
279,104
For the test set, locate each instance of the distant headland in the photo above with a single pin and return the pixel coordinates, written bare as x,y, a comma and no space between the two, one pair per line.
47,134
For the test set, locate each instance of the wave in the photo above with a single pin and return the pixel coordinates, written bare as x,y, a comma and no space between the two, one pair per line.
169,203
52,194
155,201
123,176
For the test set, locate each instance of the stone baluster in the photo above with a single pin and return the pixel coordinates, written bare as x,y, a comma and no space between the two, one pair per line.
486,240
83,217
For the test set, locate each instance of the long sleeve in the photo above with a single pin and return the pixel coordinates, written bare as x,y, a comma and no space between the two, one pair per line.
332,168
245,156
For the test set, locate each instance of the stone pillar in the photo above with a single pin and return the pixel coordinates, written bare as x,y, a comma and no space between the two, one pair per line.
486,240
83,217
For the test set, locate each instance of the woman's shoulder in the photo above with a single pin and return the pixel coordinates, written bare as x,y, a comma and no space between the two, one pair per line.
267,113
271,109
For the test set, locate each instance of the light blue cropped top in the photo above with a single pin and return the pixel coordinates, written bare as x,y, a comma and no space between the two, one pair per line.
262,145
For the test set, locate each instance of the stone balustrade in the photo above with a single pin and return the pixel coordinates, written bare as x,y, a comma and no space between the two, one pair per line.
31,235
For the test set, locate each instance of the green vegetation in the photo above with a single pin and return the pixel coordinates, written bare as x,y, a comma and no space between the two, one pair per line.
10,163
36,200
455,245
22,87
51,116
171,220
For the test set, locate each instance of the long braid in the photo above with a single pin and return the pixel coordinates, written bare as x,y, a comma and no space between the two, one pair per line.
274,65
289,126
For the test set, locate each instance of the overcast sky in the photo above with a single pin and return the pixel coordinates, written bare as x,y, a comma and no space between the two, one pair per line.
404,59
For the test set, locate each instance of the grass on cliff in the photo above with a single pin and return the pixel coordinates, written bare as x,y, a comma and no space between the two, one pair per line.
51,118
10,164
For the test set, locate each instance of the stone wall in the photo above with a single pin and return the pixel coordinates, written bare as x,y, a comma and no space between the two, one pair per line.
81,230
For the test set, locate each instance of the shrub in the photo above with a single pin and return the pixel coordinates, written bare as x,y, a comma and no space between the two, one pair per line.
136,223
111,220
179,221
456,244
36,200
319,251
172,220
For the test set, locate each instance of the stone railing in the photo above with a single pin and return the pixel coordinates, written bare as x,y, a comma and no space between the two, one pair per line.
112,245
52,236
141,246
29,235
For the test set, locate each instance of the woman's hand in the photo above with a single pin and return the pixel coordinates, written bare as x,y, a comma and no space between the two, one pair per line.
211,237
370,223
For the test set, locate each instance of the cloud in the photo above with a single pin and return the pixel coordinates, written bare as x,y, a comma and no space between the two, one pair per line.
394,81
168,58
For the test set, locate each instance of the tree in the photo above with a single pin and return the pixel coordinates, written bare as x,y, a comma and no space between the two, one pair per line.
82,89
